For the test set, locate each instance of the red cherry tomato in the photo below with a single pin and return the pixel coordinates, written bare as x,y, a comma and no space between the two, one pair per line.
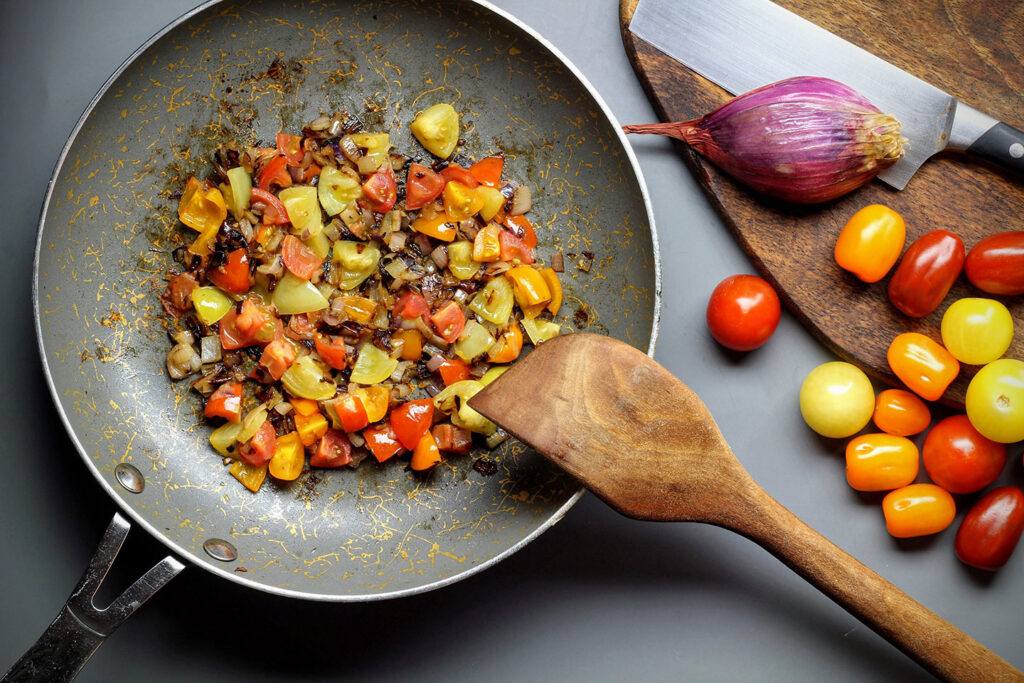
411,305
298,258
411,420
990,531
421,186
382,442
996,264
380,191
449,320
743,312
225,402
926,273
332,350
290,146
459,175
275,173
233,275
260,448
959,459
334,450
274,212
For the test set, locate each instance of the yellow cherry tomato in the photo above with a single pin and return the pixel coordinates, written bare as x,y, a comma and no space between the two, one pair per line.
995,400
836,400
977,331
871,242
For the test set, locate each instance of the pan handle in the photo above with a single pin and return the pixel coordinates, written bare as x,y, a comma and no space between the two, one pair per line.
80,628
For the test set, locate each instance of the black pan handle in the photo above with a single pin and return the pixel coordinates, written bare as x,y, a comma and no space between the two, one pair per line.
80,628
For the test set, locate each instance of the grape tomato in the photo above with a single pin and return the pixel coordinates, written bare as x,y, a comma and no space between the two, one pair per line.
926,273
881,462
871,242
922,364
901,413
996,264
918,510
990,530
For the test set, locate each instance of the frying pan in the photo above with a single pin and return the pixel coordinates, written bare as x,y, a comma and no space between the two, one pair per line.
248,69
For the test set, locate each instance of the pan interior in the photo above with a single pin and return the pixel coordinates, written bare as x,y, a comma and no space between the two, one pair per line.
248,70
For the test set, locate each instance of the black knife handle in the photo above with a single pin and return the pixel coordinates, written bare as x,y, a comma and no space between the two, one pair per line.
1001,145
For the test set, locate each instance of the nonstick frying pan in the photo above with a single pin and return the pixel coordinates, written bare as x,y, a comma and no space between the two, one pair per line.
248,70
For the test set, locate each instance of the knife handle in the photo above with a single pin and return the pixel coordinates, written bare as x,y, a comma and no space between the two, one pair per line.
1002,145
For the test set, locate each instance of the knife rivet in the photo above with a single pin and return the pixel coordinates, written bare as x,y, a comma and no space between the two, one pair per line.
1017,150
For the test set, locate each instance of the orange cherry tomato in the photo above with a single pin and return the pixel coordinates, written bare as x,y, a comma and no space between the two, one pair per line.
225,402
523,229
351,413
959,459
901,413
411,420
922,364
487,171
508,346
880,462
918,510
871,242
427,454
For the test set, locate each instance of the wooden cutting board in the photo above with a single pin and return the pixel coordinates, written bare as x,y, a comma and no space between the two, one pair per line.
972,49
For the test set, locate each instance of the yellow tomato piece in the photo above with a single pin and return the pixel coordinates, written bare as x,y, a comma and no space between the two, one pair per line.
461,201
372,365
496,371
337,190
303,208
437,129
241,190
541,330
202,206
551,279
289,456
491,201
437,227
529,286
375,400
355,262
487,244
295,295
251,477
211,304
310,428
359,308
306,378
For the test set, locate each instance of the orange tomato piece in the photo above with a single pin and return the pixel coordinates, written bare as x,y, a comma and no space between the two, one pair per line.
901,413
410,343
439,227
382,442
918,510
508,346
233,275
871,242
426,453
523,229
277,356
376,400
453,370
487,244
922,364
487,171
551,279
304,406
881,462
225,402
359,308
310,428
529,286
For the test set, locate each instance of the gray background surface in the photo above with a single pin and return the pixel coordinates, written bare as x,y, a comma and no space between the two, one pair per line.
597,598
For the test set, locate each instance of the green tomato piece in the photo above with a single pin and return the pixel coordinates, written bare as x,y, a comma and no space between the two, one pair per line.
493,373
494,302
306,378
211,304
995,400
241,191
356,261
372,365
223,438
303,208
437,129
320,245
541,330
837,400
474,341
460,260
377,146
295,295
977,331
453,400
337,190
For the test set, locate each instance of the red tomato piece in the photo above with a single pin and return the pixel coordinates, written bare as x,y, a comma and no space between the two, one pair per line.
333,450
382,442
514,248
422,186
452,439
411,305
990,530
459,175
332,350
230,337
225,402
959,459
251,318
488,171
380,190
411,420
996,264
453,370
277,357
523,229
260,448
743,312
298,258
275,173
927,271
274,213
233,275
351,413
449,321
290,146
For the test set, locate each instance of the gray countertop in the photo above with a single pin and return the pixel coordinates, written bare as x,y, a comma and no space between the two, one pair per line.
596,598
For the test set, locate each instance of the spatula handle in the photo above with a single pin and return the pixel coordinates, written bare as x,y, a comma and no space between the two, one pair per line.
937,645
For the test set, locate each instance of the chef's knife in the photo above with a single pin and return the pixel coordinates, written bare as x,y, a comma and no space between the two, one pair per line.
744,44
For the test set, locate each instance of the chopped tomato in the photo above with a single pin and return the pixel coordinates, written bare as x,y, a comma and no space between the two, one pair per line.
351,413
230,337
380,191
411,305
452,439
459,175
514,248
298,258
290,146
411,420
522,229
409,343
304,406
244,329
274,213
421,187
310,428
233,275
382,442
426,454
376,400
449,321
225,402
275,173
508,346
251,319
488,171
278,357
332,350
453,370
299,327
487,244
260,448
439,227
304,175
334,450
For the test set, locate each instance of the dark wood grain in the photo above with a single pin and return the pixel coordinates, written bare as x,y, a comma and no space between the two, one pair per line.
973,49
645,444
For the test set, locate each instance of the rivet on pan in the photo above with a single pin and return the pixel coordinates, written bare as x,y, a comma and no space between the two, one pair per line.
129,477
219,549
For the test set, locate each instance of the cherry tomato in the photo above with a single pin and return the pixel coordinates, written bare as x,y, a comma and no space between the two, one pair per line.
922,364
411,420
333,450
351,413
225,402
977,331
298,258
380,191
959,459
411,305
260,448
901,413
523,229
995,400
996,264
427,454
487,171
514,248
918,510
743,312
926,273
449,320
880,462
453,370
990,530
290,146
871,242
275,173
836,400
332,350
233,275
382,442
274,212
421,186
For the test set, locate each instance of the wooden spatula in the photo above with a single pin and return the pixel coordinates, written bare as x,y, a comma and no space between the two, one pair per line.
645,444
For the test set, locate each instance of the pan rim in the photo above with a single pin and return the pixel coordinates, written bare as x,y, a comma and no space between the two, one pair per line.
242,580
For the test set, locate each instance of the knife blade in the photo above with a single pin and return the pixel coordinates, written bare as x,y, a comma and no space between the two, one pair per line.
745,44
